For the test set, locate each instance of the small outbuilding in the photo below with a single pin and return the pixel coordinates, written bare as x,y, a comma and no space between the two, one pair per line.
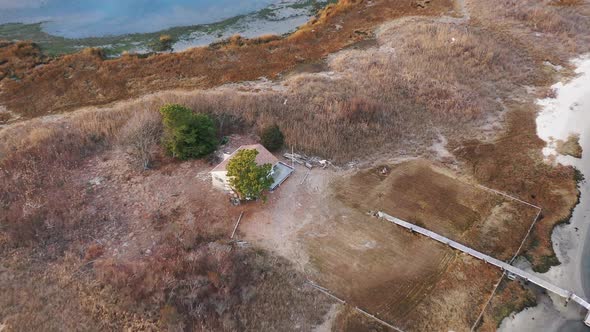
279,172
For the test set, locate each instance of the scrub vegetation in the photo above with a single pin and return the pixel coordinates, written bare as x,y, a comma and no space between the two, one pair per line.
86,233
141,135
96,242
272,138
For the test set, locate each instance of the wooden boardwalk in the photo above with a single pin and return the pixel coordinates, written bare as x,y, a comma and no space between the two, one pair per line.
566,294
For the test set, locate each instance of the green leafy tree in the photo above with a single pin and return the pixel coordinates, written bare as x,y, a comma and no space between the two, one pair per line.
272,138
246,177
187,134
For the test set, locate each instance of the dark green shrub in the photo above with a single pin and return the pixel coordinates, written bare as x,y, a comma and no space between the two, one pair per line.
187,134
272,138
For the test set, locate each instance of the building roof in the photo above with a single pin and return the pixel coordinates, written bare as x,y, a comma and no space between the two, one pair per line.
264,157
280,173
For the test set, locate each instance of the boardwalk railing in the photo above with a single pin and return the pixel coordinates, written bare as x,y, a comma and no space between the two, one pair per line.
566,294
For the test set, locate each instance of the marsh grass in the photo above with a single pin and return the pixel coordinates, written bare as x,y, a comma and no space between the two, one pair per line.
424,79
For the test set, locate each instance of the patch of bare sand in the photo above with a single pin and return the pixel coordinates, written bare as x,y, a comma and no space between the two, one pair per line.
278,224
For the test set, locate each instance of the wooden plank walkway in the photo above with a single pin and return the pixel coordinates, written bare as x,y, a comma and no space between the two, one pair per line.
566,294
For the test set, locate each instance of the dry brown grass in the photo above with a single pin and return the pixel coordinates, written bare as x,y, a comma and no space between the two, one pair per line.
514,164
567,2
433,197
398,97
407,280
140,136
549,19
17,59
561,24
59,82
86,78
55,233
378,104
423,75
36,159
511,297
216,286
350,320
570,147
425,78
449,68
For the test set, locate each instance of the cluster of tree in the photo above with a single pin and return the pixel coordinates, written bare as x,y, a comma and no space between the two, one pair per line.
186,134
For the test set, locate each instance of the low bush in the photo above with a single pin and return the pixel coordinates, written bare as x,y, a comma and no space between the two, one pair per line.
272,138
140,136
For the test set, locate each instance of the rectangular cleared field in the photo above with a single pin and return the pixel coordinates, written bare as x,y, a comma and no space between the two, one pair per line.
406,279
431,197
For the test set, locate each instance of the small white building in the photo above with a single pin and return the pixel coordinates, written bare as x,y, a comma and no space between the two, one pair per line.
280,171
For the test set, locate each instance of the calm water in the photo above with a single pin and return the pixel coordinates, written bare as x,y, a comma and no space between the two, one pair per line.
116,26
91,18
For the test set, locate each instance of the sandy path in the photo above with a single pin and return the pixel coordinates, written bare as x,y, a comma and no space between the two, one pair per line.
295,204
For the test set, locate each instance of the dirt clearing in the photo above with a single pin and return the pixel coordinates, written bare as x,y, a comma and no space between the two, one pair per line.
407,280
404,279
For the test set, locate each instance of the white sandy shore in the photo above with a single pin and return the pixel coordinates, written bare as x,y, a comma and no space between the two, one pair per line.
567,114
